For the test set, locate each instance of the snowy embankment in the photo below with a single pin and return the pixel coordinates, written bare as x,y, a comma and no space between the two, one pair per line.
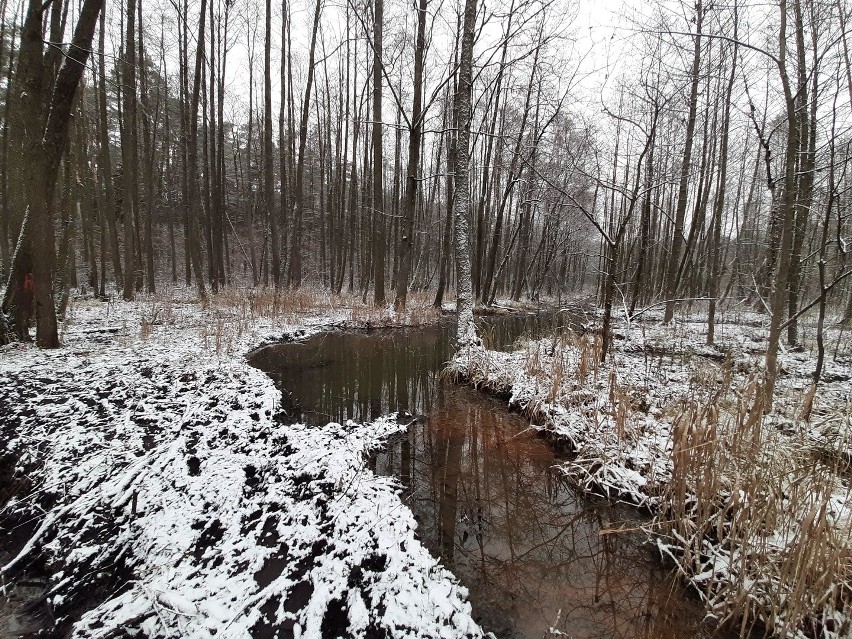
754,509
163,497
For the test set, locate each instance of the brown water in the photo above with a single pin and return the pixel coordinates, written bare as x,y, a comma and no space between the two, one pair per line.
534,554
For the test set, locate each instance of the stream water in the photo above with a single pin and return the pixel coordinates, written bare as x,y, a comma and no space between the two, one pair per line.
534,554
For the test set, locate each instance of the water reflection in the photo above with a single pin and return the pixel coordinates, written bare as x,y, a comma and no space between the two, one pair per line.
362,375
533,554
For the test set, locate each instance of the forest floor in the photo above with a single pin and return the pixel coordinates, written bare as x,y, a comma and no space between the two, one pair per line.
754,509
147,483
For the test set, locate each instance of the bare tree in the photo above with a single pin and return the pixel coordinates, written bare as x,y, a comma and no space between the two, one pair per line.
379,225
268,175
129,153
295,265
466,331
719,203
412,178
685,170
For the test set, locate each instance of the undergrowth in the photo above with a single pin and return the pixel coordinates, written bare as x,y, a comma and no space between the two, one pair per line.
757,524
233,313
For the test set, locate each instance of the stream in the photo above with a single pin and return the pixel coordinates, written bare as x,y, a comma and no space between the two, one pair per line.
539,559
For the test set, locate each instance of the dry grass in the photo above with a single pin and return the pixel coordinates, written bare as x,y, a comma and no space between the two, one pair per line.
234,315
233,312
589,356
158,312
277,304
553,361
756,522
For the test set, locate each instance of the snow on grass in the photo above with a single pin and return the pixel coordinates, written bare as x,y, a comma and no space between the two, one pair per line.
165,498
613,455
754,509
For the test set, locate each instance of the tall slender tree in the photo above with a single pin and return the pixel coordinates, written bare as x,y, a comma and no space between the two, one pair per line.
129,153
412,178
466,331
379,224
268,175
294,272
674,257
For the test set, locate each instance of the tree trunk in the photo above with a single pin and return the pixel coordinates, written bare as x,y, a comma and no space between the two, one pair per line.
268,176
149,142
451,111
5,200
128,148
294,271
29,81
805,173
379,225
719,203
686,165
44,153
283,145
415,135
780,288
193,196
466,330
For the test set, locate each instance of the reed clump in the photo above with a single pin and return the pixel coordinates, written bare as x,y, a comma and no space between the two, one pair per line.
758,525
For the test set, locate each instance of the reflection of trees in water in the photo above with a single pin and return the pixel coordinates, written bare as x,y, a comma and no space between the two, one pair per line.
340,376
517,535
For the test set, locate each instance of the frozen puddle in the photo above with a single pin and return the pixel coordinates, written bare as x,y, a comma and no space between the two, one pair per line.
535,555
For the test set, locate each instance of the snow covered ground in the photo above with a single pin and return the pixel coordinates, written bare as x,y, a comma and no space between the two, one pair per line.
162,499
661,425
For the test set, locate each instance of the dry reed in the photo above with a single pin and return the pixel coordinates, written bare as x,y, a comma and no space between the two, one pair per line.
757,524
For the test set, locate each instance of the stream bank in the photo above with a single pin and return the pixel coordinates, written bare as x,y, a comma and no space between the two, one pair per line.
173,497
753,505
167,500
